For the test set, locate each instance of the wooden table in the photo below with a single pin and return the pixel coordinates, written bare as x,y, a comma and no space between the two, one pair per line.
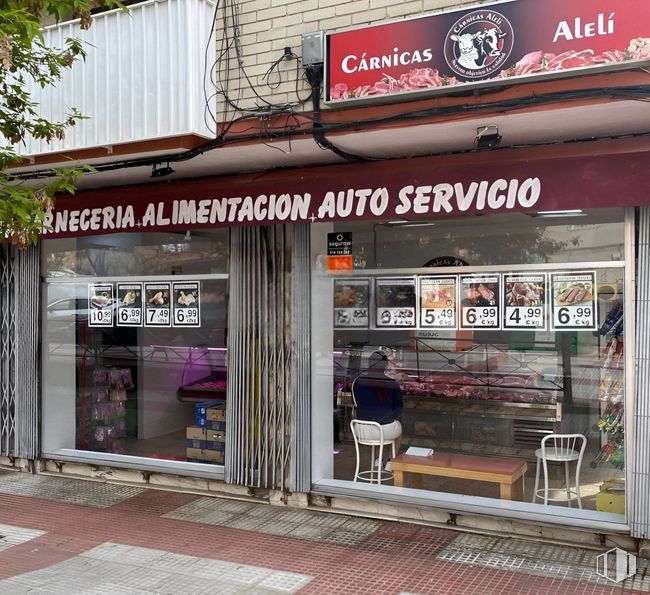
508,473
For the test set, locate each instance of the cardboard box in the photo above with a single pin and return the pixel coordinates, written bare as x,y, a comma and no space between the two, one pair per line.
205,455
611,497
211,425
215,435
215,445
196,433
194,443
216,413
200,410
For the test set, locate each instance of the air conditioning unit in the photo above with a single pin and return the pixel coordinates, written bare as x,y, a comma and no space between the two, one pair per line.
145,77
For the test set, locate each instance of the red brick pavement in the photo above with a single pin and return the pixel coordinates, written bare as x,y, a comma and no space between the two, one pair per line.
397,557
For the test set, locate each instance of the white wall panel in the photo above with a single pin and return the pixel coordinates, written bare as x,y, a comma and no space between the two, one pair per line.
142,78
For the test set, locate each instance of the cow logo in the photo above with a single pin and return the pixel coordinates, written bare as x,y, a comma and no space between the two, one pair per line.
478,44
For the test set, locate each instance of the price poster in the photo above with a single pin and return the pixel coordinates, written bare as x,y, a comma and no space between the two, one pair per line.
129,304
574,300
157,304
524,302
438,302
100,304
479,302
396,300
351,303
187,306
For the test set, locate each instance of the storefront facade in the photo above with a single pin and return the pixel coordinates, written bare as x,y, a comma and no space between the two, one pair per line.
207,333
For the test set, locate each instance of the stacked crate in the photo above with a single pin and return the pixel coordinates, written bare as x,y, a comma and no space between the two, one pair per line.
206,439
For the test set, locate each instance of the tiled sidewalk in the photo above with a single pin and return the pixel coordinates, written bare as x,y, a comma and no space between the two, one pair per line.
71,536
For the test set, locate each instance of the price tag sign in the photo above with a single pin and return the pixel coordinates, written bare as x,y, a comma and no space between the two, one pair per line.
187,304
100,304
438,302
157,304
524,302
351,303
479,302
395,302
129,304
574,300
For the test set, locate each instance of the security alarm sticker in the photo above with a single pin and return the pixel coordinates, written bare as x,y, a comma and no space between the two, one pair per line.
479,302
129,304
524,302
100,304
574,300
187,303
438,302
157,304
351,303
396,301
339,244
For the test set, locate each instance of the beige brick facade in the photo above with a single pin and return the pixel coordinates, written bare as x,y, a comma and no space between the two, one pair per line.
266,27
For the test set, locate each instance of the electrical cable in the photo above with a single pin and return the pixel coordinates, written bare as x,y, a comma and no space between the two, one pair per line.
639,93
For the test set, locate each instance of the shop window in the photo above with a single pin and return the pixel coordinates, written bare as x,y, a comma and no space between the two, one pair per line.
498,331
135,359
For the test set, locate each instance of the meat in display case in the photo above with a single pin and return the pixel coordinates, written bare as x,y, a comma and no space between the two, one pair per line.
204,376
488,399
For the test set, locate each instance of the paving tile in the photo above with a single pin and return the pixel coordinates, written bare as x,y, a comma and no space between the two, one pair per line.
72,491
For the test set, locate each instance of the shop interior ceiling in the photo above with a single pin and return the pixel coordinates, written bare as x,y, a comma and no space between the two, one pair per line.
577,122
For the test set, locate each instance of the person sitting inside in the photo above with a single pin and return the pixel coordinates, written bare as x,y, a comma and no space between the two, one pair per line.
378,398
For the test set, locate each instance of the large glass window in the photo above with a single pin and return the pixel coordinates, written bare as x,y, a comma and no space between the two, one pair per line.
497,332
135,352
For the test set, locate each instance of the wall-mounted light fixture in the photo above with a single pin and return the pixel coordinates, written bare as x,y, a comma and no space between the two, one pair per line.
161,172
487,137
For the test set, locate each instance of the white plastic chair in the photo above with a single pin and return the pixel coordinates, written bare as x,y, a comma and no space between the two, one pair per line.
563,448
375,473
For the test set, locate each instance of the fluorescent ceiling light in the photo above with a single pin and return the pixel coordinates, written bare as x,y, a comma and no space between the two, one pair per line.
567,213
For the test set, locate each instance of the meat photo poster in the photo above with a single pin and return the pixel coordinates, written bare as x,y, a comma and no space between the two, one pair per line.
100,304
574,300
524,302
129,304
351,303
479,302
187,303
438,302
157,304
395,301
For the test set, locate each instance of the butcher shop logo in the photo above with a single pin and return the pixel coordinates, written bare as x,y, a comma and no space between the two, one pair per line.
479,44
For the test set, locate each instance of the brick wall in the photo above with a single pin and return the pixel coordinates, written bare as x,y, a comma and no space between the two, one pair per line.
267,26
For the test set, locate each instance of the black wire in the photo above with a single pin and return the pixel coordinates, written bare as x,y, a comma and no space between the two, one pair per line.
639,93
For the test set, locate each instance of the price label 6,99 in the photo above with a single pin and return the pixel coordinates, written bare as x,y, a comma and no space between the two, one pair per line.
574,300
186,316
480,316
577,317
129,316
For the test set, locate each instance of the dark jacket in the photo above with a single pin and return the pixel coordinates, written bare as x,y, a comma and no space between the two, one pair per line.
378,398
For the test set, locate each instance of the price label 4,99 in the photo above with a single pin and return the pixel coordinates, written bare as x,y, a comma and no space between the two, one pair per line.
524,300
